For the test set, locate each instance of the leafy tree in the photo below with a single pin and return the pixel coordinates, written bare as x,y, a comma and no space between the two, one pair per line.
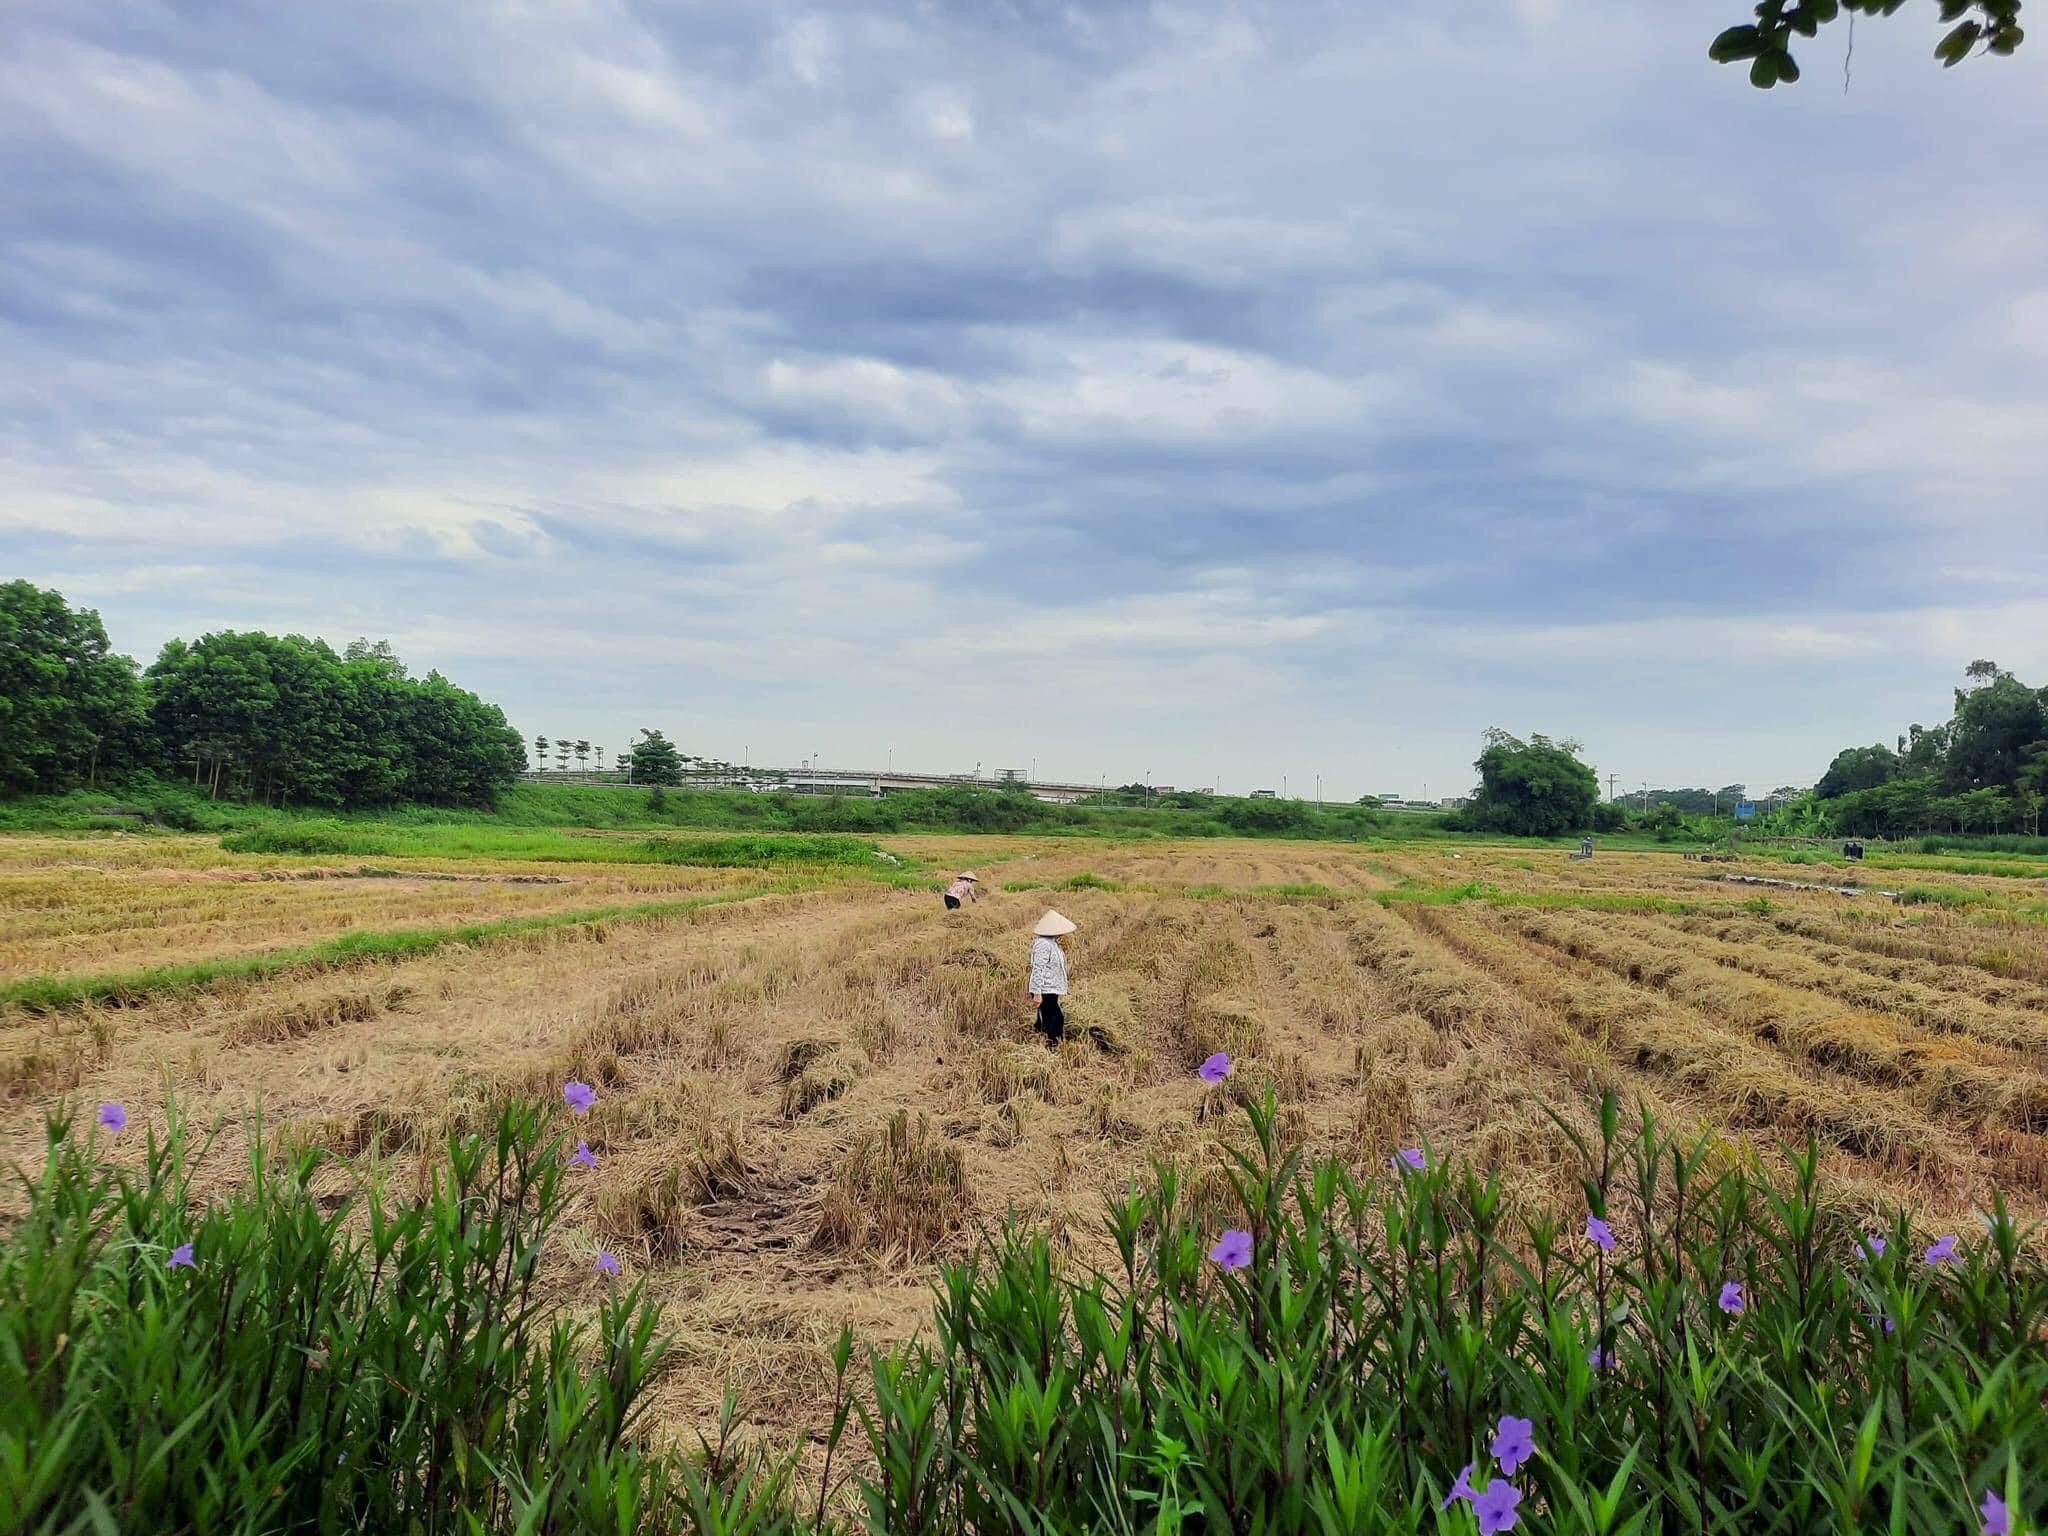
284,719
1921,750
540,753
1533,788
562,755
655,760
70,709
583,755
1995,722
1857,768
1989,26
460,750
360,649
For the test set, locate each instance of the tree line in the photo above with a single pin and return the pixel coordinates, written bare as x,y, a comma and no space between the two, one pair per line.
1984,770
280,719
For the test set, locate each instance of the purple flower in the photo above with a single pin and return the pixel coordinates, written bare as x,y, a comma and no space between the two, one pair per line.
1514,1442
114,1117
1997,1518
1601,1358
583,1157
1601,1234
1233,1249
1215,1069
1495,1507
1890,1327
1944,1251
1732,1301
1461,1489
1411,1158
579,1096
606,1264
1873,1245
181,1258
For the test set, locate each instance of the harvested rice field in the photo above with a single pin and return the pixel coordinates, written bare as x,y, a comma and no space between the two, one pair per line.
814,1082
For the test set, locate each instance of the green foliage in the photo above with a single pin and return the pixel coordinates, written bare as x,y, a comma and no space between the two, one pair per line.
655,760
384,1367
760,852
256,716
1340,1381
70,709
1995,724
283,718
1533,788
1985,771
1858,768
1265,818
332,838
961,808
1088,881
380,1366
1766,43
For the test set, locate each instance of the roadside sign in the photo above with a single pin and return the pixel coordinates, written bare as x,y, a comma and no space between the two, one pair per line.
1745,810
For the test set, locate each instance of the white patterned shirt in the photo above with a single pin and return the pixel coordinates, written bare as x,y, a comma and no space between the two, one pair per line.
1048,968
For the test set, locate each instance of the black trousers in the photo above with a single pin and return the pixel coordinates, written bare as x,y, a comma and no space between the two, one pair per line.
1051,1022
952,903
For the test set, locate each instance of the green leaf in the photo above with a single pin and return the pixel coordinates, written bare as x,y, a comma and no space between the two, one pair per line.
1788,68
1951,9
1763,74
1954,48
1736,43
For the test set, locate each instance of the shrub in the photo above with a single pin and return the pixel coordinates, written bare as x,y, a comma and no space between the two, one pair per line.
318,841
1382,1332
1734,1356
377,1368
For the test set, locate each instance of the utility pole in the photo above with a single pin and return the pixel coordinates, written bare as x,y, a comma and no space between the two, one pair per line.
1610,786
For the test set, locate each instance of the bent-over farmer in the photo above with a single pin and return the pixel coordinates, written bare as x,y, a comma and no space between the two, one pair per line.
963,889
1049,974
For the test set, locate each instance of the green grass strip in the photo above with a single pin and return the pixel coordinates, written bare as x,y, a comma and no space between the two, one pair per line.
1479,890
50,994
331,839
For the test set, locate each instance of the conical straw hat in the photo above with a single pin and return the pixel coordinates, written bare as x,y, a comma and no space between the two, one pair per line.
1052,925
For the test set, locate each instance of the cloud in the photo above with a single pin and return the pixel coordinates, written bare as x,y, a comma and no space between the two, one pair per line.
1041,380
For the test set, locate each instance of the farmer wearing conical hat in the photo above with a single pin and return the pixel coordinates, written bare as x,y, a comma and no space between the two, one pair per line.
964,888
1049,974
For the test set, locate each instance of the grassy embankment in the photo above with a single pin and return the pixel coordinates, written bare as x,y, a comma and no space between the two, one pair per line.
536,806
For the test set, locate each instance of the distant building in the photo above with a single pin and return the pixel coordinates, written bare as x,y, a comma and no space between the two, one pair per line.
1162,789
1454,802
1265,794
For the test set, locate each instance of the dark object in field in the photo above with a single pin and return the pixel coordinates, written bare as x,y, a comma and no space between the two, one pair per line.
1852,850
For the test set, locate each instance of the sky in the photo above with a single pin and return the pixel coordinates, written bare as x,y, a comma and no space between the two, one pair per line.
1201,392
